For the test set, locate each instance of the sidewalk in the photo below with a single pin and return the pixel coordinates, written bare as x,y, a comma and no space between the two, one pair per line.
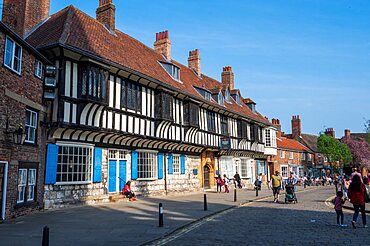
121,223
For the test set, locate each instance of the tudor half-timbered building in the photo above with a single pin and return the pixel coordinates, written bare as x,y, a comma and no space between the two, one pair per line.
123,111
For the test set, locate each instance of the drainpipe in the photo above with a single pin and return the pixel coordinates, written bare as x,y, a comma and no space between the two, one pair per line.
165,174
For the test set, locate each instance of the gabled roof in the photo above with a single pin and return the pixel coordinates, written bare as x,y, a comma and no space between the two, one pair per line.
291,144
75,28
309,141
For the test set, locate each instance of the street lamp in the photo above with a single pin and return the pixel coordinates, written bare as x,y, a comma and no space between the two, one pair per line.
18,136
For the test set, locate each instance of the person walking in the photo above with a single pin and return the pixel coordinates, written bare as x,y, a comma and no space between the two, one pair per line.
219,183
338,206
276,181
226,184
346,184
238,180
356,194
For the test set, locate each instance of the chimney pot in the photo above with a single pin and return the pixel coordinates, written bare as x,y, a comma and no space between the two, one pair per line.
162,44
194,61
227,78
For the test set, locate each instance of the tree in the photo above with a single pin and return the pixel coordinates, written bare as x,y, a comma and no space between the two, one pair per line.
367,130
335,151
360,151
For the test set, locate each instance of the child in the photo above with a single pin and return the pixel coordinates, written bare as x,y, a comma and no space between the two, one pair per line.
226,184
338,203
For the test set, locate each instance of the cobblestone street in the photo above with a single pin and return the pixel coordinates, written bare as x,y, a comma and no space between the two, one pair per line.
309,222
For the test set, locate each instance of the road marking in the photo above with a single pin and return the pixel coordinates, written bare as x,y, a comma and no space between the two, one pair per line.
177,233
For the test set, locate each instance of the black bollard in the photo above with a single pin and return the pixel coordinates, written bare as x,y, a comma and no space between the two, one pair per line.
45,236
160,215
205,202
235,198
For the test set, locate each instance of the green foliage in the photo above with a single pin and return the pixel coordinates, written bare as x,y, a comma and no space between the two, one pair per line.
334,150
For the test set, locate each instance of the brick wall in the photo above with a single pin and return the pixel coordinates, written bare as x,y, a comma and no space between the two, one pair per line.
27,88
278,161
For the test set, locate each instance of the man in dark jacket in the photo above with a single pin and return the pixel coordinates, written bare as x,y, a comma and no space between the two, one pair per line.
238,180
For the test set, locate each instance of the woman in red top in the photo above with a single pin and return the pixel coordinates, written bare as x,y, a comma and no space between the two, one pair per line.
127,191
356,195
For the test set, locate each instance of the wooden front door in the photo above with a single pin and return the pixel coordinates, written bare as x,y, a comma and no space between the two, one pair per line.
206,177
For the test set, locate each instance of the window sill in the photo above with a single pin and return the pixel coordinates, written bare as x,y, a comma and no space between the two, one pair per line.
26,204
74,183
13,71
147,179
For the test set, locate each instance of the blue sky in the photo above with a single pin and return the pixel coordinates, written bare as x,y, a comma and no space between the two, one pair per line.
303,57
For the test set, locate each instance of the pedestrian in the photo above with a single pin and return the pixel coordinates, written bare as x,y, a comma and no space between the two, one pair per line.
128,192
356,194
238,180
276,181
226,184
260,179
338,206
219,183
356,173
346,184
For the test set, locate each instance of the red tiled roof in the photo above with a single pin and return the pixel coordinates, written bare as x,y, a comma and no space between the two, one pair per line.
287,143
73,27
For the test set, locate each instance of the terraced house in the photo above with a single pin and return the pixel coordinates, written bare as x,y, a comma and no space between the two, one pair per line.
124,111
22,132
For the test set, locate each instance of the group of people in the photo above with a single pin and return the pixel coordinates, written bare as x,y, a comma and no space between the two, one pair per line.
225,182
356,190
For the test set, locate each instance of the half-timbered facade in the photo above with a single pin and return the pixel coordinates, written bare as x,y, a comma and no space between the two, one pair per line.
123,111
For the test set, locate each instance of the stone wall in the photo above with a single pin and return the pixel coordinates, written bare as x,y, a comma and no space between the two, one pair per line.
59,196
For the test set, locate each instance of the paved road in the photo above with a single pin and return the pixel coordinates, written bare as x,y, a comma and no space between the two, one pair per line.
122,223
310,222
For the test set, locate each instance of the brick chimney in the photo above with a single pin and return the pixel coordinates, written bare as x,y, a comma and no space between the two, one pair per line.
347,133
296,126
194,61
162,44
276,123
227,78
330,132
23,15
106,14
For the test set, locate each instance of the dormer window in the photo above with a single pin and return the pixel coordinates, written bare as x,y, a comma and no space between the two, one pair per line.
237,98
220,99
172,70
204,93
207,95
227,95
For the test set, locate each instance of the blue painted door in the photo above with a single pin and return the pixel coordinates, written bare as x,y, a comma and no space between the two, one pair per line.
122,174
112,176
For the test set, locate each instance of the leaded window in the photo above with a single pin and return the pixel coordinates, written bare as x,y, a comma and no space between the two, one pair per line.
224,125
242,129
191,114
211,124
130,95
147,165
164,106
94,80
74,164
268,137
